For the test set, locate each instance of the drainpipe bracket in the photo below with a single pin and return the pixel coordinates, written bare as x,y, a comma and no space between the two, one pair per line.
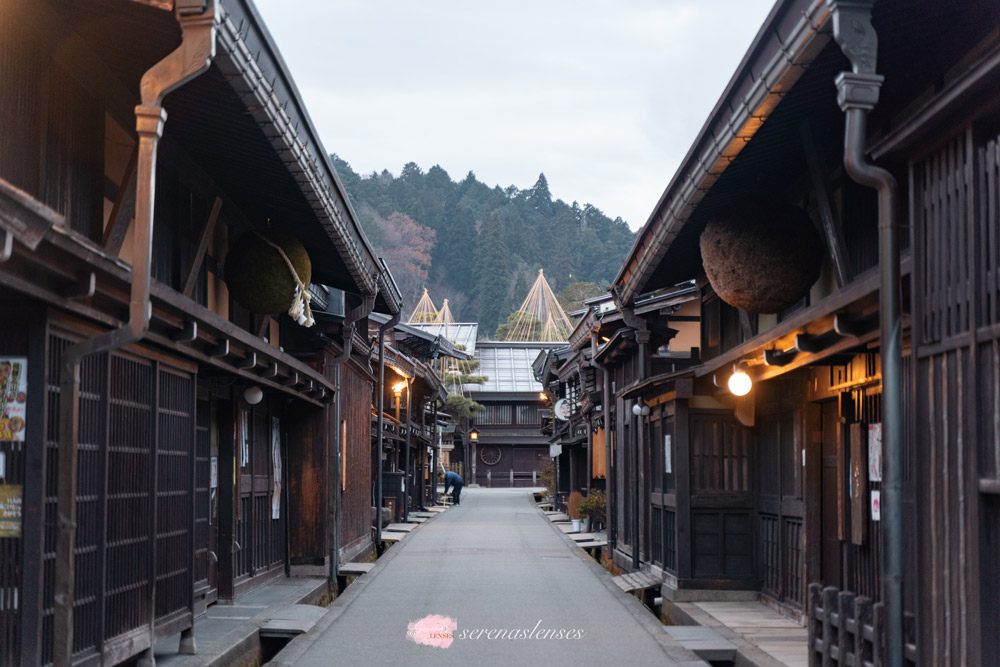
858,91
852,28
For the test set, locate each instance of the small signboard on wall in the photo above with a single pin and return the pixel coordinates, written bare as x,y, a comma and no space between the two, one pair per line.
859,486
10,510
13,397
876,505
668,461
875,452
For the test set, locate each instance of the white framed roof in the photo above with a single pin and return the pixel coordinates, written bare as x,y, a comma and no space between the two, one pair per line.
459,333
508,366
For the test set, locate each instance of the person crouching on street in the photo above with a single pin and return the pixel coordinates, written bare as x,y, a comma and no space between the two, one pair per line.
453,479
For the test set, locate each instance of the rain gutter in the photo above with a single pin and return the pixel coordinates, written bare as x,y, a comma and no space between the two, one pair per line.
857,94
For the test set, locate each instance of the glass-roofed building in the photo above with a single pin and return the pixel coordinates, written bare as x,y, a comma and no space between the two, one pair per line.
511,449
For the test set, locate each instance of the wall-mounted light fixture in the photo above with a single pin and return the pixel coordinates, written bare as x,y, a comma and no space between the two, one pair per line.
640,408
740,383
253,394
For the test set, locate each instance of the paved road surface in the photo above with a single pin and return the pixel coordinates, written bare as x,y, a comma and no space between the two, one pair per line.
492,563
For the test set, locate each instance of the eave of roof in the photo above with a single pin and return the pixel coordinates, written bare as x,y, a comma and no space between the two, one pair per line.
420,341
255,69
791,36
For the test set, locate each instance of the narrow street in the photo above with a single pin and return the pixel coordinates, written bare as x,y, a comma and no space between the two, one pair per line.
492,563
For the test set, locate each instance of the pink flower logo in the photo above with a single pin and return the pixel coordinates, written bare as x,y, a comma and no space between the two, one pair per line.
434,630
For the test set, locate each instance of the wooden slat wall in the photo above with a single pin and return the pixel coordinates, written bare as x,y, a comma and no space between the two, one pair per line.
134,503
21,71
356,499
310,434
720,454
175,493
954,197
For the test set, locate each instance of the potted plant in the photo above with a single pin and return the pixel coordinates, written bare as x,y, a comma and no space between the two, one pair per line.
592,507
573,509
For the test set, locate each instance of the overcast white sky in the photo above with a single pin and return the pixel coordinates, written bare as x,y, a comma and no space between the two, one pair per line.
604,97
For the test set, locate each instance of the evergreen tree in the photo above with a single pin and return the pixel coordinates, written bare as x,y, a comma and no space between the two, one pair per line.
571,242
492,273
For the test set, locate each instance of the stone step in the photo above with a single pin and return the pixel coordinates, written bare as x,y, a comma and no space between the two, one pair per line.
703,641
293,620
355,568
400,527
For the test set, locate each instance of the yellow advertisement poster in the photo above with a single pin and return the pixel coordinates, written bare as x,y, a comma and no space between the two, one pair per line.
10,510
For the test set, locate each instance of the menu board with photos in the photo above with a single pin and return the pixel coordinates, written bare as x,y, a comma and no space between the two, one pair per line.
13,397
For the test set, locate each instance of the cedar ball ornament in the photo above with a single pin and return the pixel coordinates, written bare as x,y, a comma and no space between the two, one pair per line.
761,256
268,272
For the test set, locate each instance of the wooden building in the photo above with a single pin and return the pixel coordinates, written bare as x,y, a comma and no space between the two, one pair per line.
165,447
573,385
413,391
510,449
864,458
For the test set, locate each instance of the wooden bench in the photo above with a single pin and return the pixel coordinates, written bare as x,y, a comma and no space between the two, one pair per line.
351,570
639,581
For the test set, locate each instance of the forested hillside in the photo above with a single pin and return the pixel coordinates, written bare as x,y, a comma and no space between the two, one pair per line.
478,246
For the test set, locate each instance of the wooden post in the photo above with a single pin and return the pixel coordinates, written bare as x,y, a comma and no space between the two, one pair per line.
815,627
829,607
864,617
682,470
845,611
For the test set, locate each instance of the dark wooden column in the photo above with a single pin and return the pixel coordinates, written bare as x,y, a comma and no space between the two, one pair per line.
682,475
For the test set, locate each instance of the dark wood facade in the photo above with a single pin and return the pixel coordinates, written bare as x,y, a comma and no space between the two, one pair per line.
768,493
186,493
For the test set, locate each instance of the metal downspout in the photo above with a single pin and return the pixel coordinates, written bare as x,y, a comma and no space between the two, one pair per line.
393,321
857,94
348,335
194,55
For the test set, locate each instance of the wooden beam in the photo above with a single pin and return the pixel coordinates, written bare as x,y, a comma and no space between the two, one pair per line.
808,343
833,233
124,208
83,288
779,357
220,350
199,254
187,334
248,362
745,324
